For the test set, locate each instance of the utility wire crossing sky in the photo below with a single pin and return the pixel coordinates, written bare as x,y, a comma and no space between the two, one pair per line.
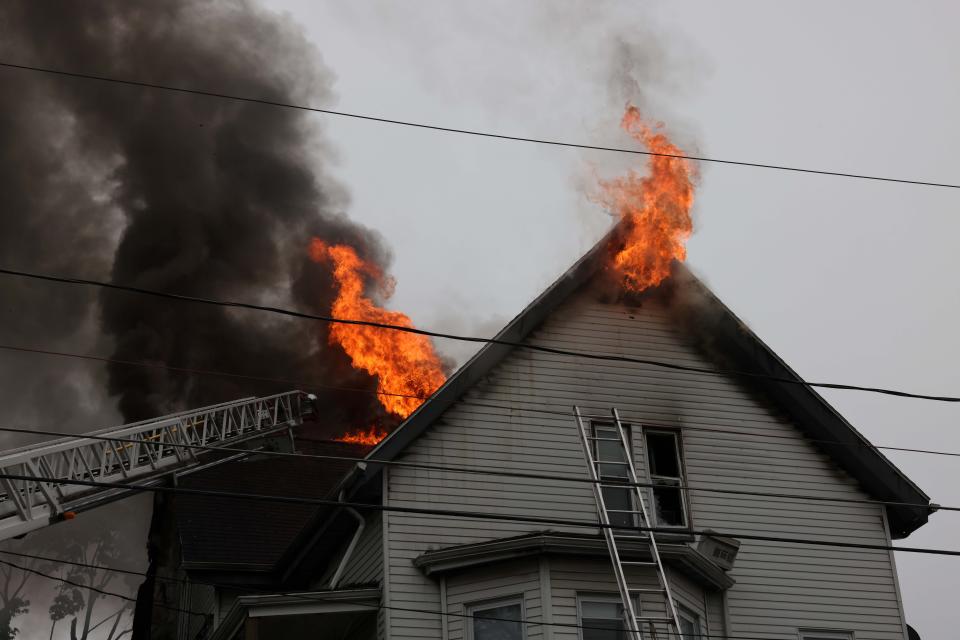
484,134
451,336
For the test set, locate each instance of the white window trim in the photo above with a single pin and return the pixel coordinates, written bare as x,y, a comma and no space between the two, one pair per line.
677,435
601,596
683,611
824,634
490,604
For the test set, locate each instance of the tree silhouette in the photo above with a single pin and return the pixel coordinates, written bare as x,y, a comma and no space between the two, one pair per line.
14,602
78,603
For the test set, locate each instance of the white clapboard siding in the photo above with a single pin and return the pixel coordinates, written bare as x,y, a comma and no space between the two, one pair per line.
780,587
520,580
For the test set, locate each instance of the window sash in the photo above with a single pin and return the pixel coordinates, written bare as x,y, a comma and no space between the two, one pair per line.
614,469
617,620
490,605
825,634
666,481
688,616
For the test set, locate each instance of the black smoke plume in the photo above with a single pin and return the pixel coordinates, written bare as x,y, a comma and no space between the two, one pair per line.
183,193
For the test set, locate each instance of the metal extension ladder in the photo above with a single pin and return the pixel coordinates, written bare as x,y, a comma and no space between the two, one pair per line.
144,451
613,533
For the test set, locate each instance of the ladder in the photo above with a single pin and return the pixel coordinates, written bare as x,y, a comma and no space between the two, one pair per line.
144,451
612,437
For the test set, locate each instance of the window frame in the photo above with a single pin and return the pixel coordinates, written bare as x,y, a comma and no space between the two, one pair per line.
492,603
631,491
812,633
681,481
605,597
690,615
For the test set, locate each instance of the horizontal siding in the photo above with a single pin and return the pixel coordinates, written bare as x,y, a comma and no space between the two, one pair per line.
570,578
780,586
507,580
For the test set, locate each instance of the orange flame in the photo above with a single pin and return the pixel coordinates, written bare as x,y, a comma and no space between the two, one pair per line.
371,436
407,368
655,208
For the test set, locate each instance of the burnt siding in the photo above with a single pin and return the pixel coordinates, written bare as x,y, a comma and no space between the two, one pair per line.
779,586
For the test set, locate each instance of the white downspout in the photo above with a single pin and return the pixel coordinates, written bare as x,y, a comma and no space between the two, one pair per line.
361,524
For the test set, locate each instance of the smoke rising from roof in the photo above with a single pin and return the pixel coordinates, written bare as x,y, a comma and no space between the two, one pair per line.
184,193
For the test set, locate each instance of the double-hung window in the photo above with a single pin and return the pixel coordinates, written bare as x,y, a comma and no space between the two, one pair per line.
666,474
822,634
612,466
496,620
602,617
689,624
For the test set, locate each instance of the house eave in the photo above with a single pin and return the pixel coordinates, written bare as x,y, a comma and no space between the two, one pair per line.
300,603
682,556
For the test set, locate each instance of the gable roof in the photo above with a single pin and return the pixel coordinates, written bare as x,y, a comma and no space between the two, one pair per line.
830,431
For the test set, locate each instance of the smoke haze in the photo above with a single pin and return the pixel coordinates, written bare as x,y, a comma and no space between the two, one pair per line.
176,192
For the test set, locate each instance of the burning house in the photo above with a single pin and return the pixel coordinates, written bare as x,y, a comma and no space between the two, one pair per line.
412,503
391,571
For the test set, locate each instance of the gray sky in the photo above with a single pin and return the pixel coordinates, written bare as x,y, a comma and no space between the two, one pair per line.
847,280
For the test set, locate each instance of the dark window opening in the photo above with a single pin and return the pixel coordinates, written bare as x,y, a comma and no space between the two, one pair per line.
666,474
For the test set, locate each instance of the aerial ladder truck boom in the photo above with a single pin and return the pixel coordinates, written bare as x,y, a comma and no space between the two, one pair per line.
141,453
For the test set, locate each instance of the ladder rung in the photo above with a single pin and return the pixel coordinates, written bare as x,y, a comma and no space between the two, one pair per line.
655,619
623,511
638,563
661,590
595,439
610,462
622,537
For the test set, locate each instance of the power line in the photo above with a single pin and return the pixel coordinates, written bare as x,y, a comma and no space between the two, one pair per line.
491,471
90,587
313,597
450,336
470,132
204,372
465,402
474,515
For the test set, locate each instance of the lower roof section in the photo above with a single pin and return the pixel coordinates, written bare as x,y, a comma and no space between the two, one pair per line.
338,608
682,556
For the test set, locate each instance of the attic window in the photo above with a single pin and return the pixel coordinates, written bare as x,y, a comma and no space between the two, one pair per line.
666,473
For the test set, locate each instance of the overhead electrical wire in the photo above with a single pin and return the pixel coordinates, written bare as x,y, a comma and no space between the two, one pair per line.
504,473
316,597
520,345
466,514
470,132
311,384
90,587
461,338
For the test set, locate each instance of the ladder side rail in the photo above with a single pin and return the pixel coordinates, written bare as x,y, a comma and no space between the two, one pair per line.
29,504
624,588
130,426
654,549
129,431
